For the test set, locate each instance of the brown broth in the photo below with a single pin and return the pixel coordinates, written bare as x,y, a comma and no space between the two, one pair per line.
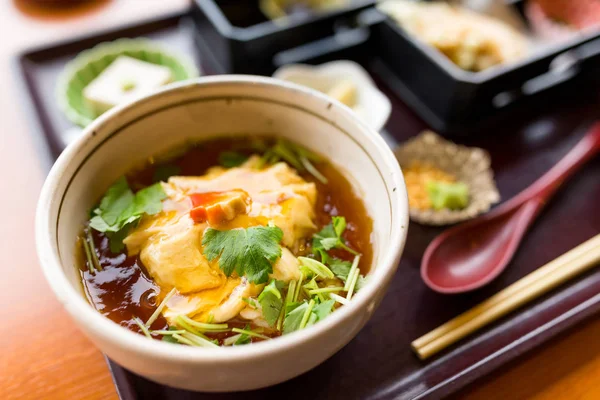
124,290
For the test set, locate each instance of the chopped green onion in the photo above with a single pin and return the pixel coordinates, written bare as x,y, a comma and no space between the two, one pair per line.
287,154
352,285
317,267
313,170
289,297
312,285
183,340
353,270
312,292
337,298
142,327
182,324
205,327
298,287
200,341
93,251
279,322
250,333
307,313
88,255
211,317
159,309
167,332
230,341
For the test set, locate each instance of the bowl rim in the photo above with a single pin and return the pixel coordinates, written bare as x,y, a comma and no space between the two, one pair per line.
85,314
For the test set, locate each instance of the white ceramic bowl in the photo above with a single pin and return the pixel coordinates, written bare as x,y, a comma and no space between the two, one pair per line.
372,106
197,109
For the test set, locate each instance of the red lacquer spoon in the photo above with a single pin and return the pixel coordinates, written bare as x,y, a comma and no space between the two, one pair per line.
472,254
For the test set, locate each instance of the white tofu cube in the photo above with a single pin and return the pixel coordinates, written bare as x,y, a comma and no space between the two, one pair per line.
124,79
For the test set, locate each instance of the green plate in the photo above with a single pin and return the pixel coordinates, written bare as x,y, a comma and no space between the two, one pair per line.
90,63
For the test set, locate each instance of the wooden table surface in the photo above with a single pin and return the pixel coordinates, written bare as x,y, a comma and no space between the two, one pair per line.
44,356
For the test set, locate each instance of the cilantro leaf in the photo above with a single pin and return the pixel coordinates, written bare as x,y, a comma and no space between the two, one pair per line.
323,309
116,201
330,237
149,200
164,172
296,156
248,252
339,225
119,209
271,302
230,159
340,268
293,319
289,307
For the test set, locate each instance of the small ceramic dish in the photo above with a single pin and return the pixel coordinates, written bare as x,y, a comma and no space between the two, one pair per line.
470,165
88,65
372,106
224,105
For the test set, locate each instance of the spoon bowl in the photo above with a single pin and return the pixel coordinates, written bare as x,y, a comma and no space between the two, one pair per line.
472,254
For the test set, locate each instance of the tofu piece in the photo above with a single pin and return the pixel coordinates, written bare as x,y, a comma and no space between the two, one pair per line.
169,243
124,79
169,246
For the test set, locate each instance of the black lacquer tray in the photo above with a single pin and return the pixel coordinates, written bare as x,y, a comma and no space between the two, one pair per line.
378,363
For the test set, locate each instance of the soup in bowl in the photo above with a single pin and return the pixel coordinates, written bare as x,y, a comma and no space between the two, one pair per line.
223,234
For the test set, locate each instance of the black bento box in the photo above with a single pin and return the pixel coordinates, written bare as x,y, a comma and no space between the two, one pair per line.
451,99
237,38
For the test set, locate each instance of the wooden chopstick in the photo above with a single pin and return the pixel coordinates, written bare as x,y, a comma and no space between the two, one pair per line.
556,272
561,262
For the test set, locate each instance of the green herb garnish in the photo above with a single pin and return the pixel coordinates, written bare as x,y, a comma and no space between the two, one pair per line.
231,159
159,309
271,303
202,326
340,268
323,309
330,237
250,333
250,252
317,268
142,327
302,315
119,209
169,339
239,339
294,317
297,156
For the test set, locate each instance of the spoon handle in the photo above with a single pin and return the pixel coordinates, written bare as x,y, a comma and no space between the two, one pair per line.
542,189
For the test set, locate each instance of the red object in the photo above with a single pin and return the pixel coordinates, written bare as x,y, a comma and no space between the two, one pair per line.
472,254
211,206
576,13
202,202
